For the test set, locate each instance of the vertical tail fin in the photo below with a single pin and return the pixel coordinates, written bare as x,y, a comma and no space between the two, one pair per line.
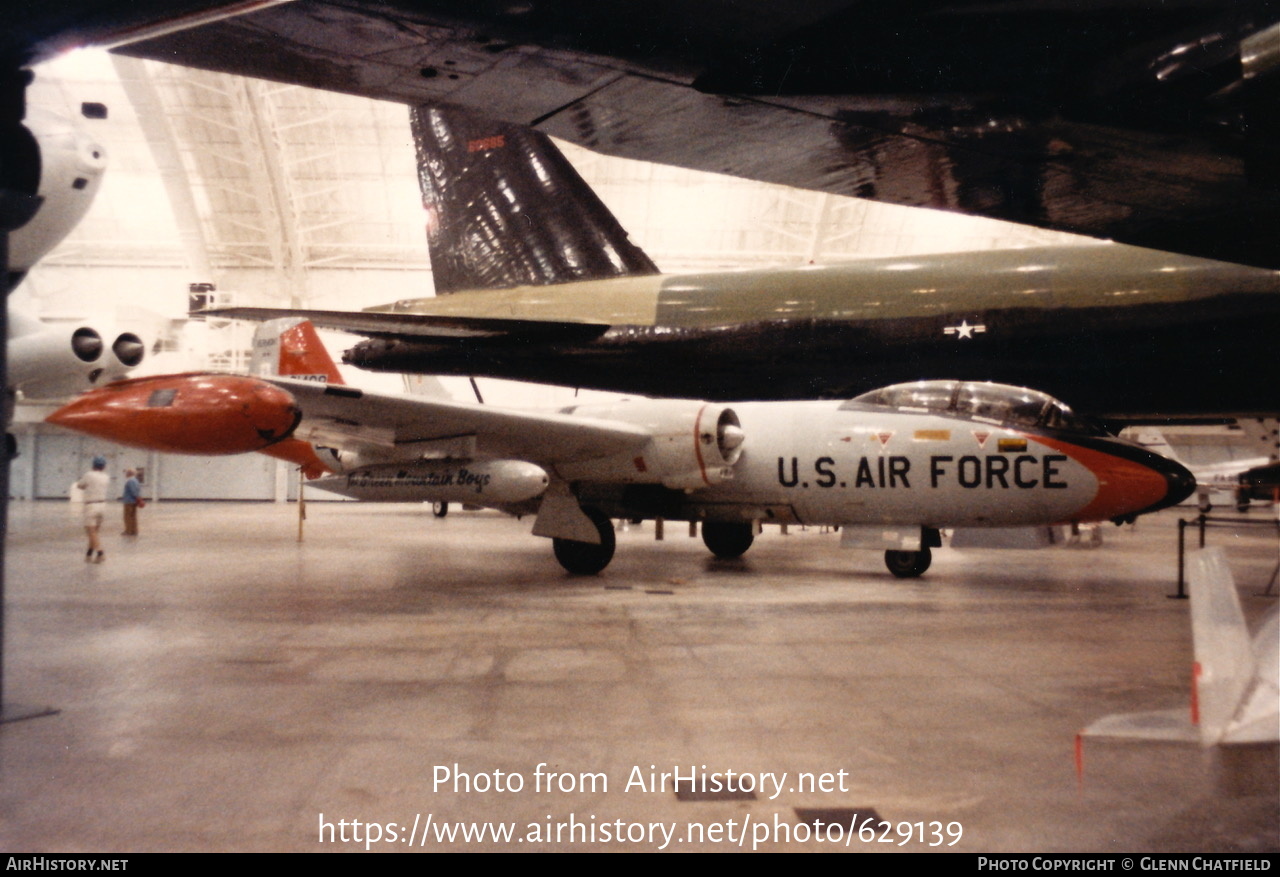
507,209
428,386
1154,440
1236,693
290,347
1235,676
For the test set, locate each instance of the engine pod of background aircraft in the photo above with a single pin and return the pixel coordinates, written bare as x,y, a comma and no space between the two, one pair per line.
49,359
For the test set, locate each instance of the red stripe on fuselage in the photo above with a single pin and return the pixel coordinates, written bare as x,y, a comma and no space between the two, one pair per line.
1123,485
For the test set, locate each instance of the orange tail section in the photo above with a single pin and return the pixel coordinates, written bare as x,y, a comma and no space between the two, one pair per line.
301,454
291,348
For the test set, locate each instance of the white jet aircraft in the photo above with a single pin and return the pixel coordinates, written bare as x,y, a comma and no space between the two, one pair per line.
1210,478
890,468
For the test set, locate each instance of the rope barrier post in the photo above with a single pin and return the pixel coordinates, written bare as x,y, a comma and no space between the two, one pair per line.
1182,560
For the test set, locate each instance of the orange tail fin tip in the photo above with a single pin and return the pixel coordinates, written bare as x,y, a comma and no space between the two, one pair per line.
302,355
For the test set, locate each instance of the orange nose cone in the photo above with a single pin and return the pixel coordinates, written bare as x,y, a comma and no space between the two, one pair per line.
185,414
1131,480
1125,488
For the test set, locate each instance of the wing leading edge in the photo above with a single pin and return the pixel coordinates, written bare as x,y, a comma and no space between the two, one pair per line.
442,329
358,418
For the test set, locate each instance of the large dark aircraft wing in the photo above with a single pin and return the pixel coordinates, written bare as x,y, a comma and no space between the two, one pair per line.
1151,124
430,328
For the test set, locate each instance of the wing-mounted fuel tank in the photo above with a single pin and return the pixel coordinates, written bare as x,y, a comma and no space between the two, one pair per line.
487,483
692,444
186,414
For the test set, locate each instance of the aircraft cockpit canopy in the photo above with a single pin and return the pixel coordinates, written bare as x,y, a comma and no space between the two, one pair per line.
978,400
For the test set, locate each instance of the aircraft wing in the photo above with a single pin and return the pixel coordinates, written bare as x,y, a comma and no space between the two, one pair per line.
1150,124
353,418
442,329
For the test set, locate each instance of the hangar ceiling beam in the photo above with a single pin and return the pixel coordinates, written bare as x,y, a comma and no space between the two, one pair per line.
154,121
280,207
821,228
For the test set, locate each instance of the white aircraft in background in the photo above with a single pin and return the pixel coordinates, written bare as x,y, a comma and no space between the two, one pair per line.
1211,478
1235,693
890,468
55,358
70,164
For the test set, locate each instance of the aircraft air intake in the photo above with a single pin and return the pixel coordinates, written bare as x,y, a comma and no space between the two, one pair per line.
129,349
692,444
87,344
729,436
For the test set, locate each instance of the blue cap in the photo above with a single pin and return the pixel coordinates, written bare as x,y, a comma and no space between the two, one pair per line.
99,462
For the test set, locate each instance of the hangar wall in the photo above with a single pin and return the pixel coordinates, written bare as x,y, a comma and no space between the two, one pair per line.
50,462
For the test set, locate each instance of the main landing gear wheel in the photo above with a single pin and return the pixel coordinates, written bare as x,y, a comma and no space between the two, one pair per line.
726,539
908,564
439,509
583,558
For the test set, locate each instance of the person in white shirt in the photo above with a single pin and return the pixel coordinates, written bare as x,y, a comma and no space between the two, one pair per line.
94,484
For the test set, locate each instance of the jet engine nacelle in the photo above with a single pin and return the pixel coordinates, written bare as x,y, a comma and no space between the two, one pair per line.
69,167
54,359
692,444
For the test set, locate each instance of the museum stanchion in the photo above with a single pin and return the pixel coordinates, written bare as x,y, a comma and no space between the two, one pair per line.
1205,522
302,503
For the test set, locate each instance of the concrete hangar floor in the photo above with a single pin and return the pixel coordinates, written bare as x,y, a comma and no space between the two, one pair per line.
222,687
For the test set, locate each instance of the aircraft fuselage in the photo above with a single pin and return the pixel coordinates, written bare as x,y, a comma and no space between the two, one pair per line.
826,463
844,463
1121,332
